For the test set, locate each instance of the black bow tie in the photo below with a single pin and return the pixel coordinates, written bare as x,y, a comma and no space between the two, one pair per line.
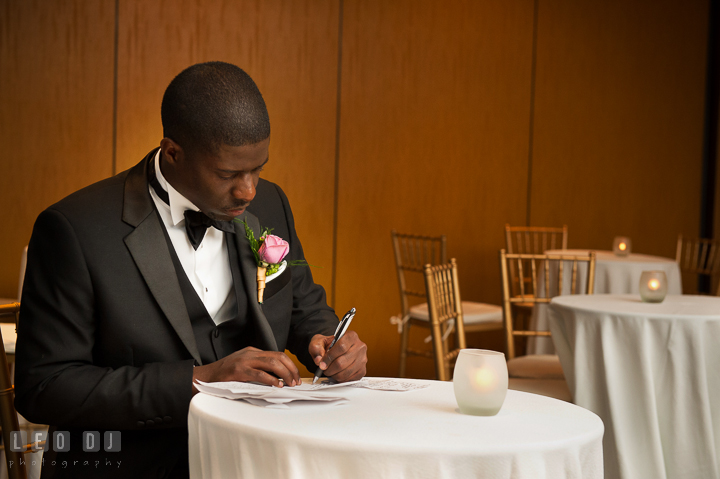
197,223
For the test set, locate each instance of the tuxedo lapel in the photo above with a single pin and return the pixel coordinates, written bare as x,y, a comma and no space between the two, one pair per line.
248,267
149,249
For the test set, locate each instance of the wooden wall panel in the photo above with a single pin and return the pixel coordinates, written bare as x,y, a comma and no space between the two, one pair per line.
619,121
290,50
434,139
56,60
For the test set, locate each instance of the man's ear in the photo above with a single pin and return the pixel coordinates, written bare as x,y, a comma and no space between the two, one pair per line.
171,151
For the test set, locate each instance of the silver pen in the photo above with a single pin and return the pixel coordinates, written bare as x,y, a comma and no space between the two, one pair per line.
339,333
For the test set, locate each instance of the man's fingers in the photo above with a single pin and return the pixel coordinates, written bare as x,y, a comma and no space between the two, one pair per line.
318,347
355,371
343,362
340,348
266,367
281,366
265,378
350,361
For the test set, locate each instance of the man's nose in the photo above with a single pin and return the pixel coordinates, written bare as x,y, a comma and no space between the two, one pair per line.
244,188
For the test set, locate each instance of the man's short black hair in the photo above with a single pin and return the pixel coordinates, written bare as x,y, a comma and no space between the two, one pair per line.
212,104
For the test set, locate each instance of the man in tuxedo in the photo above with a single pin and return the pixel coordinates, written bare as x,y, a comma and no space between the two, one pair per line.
140,284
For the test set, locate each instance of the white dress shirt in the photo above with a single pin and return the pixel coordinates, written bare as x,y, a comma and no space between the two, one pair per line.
208,267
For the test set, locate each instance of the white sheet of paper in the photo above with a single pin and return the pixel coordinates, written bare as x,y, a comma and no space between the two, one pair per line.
305,393
388,385
262,395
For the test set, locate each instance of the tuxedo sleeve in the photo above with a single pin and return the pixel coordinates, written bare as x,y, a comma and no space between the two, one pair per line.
58,379
311,314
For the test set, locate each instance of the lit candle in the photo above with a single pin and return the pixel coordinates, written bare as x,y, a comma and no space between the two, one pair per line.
485,380
653,286
480,381
621,246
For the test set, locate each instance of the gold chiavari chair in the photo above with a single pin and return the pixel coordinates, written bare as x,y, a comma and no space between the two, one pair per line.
534,239
443,294
699,256
539,373
8,415
412,253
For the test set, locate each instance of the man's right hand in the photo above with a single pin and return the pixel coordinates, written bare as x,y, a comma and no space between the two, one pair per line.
250,365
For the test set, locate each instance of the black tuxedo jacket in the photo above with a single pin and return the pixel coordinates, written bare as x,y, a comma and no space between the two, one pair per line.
104,337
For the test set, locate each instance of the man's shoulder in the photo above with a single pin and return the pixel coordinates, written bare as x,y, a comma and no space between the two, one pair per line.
104,200
267,189
102,195
269,198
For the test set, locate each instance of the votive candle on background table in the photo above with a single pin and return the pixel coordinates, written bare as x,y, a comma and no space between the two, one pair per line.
480,381
653,286
622,245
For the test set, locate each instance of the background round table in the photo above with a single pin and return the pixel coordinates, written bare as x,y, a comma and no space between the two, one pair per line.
613,275
650,371
388,434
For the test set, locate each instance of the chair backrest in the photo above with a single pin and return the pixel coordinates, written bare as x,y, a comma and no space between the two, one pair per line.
534,239
540,278
8,415
412,253
699,256
445,308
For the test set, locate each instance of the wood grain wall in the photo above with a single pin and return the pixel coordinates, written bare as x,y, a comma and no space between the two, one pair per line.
56,114
454,117
618,125
434,139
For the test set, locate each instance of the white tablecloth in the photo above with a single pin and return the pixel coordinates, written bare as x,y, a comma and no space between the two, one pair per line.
651,372
385,434
613,275
9,336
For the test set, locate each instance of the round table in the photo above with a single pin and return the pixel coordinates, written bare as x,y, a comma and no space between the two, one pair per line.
613,275
650,371
390,434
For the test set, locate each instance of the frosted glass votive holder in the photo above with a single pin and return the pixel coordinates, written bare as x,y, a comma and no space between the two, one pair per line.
480,381
653,286
622,246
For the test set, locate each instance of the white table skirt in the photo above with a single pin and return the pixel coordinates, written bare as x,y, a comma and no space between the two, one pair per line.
650,371
613,275
384,434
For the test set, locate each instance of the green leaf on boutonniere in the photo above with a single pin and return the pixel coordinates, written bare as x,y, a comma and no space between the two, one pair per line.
255,244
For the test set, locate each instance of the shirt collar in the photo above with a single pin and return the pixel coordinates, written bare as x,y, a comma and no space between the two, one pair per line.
178,203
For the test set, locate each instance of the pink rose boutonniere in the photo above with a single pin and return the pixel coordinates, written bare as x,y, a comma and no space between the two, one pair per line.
269,251
273,249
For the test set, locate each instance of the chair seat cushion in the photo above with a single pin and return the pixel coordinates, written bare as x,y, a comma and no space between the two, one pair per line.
554,388
473,313
536,366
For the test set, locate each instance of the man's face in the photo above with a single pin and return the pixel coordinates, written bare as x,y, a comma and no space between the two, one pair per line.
223,184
